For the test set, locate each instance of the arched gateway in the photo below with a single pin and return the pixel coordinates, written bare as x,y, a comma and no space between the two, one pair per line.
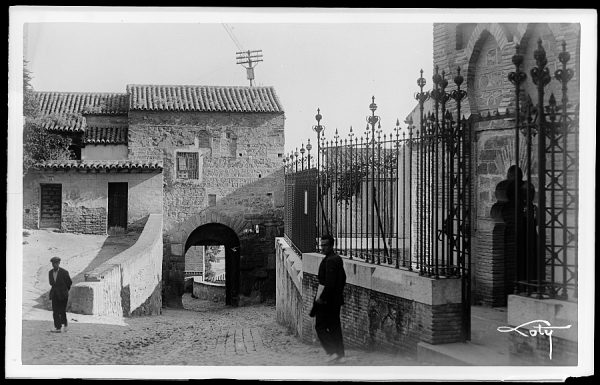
210,227
215,234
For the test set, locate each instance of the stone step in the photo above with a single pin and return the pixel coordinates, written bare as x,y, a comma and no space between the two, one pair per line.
467,354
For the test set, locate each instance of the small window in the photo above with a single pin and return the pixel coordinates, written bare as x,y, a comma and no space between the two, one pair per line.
187,165
212,200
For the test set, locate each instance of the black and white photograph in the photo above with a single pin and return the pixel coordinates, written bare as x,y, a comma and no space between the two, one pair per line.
301,193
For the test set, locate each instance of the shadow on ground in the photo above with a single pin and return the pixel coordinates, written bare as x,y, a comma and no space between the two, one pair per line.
112,246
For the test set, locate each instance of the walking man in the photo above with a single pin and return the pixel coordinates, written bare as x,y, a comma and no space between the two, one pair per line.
59,294
328,301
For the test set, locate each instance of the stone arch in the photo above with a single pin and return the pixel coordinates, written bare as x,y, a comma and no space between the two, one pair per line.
210,215
481,36
219,234
527,46
520,30
496,30
175,248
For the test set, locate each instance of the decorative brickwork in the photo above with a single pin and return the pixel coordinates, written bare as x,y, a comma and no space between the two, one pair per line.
484,52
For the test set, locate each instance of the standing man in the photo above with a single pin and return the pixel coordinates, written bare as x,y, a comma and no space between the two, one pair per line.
59,294
329,299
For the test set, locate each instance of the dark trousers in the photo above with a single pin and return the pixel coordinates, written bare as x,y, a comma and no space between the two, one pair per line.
59,312
329,329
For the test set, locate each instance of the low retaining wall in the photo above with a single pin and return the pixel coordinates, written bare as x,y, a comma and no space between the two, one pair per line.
128,284
209,291
288,289
523,310
385,308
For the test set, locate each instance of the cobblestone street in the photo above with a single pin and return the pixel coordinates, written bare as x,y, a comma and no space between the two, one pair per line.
204,334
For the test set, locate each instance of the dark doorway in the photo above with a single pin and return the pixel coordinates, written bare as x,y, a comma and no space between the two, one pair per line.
117,205
215,234
51,202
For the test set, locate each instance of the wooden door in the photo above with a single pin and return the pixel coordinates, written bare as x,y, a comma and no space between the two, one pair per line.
50,207
117,205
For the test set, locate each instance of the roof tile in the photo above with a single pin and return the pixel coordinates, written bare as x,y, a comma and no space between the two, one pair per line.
99,165
203,98
69,107
105,135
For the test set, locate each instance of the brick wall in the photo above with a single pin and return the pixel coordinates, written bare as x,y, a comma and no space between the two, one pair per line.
385,308
239,164
379,321
84,198
484,53
209,291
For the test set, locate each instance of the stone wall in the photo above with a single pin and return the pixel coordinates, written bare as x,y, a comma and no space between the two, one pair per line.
484,53
209,291
85,195
239,176
128,284
385,308
288,299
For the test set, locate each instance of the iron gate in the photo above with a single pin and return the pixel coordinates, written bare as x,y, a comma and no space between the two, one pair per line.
300,209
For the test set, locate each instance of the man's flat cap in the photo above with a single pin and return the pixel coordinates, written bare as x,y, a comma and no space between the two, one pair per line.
54,259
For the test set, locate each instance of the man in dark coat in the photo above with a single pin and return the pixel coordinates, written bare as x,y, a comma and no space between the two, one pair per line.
329,299
59,294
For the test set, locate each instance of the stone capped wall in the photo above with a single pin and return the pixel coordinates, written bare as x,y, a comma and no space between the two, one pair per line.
385,308
128,284
288,299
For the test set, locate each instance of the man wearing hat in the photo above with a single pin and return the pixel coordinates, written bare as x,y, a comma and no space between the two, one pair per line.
59,294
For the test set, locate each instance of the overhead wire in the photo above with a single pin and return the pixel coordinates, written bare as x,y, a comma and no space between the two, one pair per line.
229,31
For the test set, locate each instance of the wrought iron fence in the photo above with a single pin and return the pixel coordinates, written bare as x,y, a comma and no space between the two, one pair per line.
403,198
546,234
398,198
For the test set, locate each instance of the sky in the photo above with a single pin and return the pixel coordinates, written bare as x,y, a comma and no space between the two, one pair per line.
337,67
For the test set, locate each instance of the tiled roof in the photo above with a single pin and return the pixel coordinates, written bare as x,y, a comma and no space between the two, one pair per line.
81,102
105,135
99,165
203,98
70,105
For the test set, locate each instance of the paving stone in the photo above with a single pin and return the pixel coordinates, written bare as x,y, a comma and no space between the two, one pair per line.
222,336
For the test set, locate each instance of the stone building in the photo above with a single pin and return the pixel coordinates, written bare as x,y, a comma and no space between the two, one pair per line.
207,158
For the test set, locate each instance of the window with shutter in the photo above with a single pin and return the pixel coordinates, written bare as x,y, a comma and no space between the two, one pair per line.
187,165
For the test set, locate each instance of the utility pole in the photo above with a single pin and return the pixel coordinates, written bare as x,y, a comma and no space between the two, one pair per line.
249,59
